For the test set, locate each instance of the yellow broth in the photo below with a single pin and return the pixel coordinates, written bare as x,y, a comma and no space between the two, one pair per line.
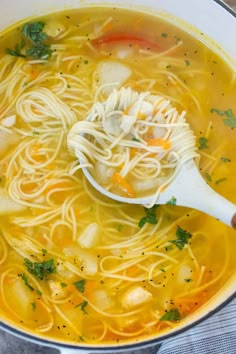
81,290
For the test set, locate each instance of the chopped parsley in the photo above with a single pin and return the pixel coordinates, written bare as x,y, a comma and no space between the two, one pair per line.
83,306
172,315
225,159
164,35
33,32
162,270
80,285
35,133
33,304
44,251
172,201
168,248
63,285
182,238
203,143
187,62
221,180
150,217
208,177
230,120
120,227
25,279
42,51
188,280
40,270
86,62
135,139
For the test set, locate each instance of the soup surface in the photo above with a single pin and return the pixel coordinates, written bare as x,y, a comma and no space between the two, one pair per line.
74,265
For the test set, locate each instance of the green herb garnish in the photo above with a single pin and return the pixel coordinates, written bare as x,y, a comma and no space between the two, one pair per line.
218,111
187,62
44,251
172,201
63,285
82,306
208,177
225,159
15,53
220,180
164,35
203,143
33,32
42,51
172,315
80,285
40,270
150,216
33,304
188,280
182,238
230,119
25,279
120,227
168,248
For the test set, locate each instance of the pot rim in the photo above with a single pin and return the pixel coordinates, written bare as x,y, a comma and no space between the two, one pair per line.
20,333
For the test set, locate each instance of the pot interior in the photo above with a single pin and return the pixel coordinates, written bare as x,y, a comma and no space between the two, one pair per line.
194,19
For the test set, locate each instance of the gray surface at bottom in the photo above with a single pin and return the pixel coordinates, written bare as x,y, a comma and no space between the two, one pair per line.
9,344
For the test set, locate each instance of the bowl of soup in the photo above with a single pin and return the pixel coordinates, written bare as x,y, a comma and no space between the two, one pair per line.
78,270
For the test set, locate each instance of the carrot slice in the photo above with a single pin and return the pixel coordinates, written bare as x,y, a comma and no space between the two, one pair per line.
118,180
165,144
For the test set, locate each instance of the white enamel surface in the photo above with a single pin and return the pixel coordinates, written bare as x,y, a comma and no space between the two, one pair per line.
206,15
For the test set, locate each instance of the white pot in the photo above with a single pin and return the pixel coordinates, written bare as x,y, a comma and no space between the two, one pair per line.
210,20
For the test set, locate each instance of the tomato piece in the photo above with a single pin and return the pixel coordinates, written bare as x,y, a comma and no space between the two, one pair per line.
115,38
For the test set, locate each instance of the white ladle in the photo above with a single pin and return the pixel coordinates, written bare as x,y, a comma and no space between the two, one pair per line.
190,190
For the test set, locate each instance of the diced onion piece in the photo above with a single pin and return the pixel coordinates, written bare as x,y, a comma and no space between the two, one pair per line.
123,51
54,29
7,140
88,261
102,300
111,125
184,272
103,173
57,292
135,297
63,271
159,132
145,185
20,298
9,121
141,111
113,73
127,123
89,236
9,206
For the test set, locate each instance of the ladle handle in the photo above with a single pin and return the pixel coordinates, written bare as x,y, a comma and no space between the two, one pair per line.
191,190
